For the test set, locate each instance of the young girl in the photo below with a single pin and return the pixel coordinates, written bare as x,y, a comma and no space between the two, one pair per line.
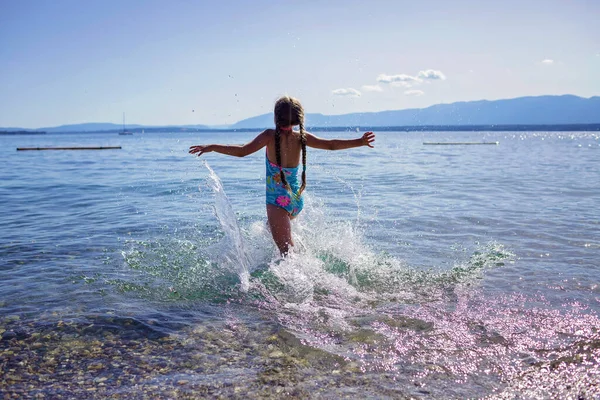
284,146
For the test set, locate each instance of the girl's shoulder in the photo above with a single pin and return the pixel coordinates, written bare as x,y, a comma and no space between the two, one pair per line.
268,134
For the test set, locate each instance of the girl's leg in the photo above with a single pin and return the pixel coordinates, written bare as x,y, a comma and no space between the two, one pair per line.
281,228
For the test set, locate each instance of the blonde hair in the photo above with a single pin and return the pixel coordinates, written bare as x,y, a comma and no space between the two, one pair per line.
288,111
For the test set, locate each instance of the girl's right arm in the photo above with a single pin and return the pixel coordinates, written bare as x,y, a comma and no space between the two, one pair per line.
339,144
233,149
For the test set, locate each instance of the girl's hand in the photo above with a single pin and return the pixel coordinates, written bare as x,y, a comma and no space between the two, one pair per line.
201,149
368,138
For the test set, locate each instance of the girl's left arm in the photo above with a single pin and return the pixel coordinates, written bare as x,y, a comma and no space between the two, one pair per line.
339,144
233,149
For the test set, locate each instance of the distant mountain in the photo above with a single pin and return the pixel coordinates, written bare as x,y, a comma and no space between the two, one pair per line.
203,126
107,127
13,129
541,110
88,127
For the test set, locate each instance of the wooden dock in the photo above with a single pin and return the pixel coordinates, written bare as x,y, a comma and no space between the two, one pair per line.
69,148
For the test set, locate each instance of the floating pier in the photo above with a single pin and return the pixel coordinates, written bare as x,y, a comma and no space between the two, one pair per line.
458,143
69,148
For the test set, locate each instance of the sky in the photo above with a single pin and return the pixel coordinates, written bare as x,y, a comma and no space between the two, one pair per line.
183,62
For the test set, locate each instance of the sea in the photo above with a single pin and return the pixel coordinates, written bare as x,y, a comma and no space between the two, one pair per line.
420,271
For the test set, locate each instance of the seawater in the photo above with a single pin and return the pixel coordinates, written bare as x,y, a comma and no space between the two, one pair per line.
420,271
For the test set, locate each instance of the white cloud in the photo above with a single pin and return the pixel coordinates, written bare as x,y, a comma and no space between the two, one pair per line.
414,93
401,79
350,92
548,61
431,74
372,88
406,81
404,84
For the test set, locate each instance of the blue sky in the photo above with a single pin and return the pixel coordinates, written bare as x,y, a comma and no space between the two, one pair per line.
217,62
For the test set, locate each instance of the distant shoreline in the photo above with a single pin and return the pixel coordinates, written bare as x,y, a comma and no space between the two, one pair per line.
22,132
415,128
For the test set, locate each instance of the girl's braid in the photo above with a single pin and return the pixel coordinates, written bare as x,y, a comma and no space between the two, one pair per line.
303,139
278,158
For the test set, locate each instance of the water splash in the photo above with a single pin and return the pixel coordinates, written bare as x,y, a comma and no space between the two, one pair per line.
332,268
210,264
235,254
335,293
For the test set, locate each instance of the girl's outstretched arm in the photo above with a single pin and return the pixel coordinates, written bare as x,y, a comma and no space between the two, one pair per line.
339,144
234,149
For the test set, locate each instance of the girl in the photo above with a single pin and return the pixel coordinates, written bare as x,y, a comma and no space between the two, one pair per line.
284,146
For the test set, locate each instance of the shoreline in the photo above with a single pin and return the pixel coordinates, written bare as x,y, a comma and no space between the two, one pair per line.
399,128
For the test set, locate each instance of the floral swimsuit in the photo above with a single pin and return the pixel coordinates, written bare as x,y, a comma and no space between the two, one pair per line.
277,194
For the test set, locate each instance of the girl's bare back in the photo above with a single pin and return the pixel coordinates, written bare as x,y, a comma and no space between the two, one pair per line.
291,148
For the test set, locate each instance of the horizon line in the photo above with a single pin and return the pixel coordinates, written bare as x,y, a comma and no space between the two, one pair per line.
385,128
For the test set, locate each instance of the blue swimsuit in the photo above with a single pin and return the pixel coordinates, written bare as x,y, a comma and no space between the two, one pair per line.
277,194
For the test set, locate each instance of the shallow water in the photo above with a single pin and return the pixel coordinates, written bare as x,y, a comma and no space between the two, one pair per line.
422,271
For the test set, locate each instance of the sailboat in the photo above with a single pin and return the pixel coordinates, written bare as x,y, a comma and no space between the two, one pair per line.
124,132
